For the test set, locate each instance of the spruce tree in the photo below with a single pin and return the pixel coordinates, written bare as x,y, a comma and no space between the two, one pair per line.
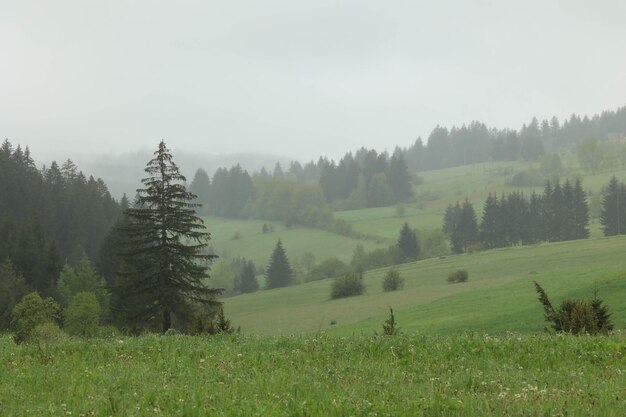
201,187
488,227
279,271
581,212
466,230
165,264
613,210
246,278
407,244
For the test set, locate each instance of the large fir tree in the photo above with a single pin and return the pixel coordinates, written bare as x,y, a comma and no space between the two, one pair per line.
165,263
613,210
407,244
279,271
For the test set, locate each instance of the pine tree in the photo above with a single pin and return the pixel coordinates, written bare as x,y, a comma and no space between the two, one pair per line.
581,212
488,227
201,187
399,177
466,230
613,210
279,271
164,266
246,278
407,244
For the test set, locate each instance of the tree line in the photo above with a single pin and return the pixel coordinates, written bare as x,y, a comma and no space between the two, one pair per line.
476,142
560,213
50,216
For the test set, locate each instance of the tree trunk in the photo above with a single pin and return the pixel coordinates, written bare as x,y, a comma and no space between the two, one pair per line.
167,320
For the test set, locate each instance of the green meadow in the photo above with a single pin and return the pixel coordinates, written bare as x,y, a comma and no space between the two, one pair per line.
467,374
236,237
498,297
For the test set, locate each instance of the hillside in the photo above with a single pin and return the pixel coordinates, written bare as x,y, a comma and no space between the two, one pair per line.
243,237
498,297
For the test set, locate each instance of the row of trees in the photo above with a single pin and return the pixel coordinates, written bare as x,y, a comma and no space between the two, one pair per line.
365,180
560,213
476,142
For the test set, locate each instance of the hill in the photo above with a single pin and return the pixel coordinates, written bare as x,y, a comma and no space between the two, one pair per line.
499,296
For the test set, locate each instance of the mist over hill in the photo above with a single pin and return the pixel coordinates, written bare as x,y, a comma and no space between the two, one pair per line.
123,172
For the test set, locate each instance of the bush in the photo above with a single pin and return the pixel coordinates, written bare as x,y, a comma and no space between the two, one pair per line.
82,316
577,316
392,281
389,326
458,276
46,333
108,332
30,312
347,285
330,268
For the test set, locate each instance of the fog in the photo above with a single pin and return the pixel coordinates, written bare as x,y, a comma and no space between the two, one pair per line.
295,79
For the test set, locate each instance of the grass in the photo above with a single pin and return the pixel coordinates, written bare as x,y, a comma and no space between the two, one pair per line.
321,375
499,295
237,237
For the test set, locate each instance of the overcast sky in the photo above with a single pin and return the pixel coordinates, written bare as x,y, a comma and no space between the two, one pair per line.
296,78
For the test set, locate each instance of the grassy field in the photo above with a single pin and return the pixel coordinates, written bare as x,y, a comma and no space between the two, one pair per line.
447,186
498,297
236,237
408,375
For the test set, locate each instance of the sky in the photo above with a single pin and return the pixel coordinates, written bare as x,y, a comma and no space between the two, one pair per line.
296,78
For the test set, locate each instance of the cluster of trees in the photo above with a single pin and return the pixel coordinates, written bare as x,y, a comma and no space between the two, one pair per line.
78,302
303,194
367,179
475,142
234,193
49,216
561,213
595,155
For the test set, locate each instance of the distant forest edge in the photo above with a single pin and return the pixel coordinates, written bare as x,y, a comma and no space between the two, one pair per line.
368,178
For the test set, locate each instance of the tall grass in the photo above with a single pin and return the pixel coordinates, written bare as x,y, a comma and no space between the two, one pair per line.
320,375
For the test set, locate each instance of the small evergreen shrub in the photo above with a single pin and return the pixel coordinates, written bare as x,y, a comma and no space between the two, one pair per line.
458,276
389,326
347,285
576,316
392,281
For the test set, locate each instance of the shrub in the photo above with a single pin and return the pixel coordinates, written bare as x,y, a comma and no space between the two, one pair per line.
576,316
392,281
108,332
347,285
330,268
389,326
30,312
46,333
458,276
82,316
